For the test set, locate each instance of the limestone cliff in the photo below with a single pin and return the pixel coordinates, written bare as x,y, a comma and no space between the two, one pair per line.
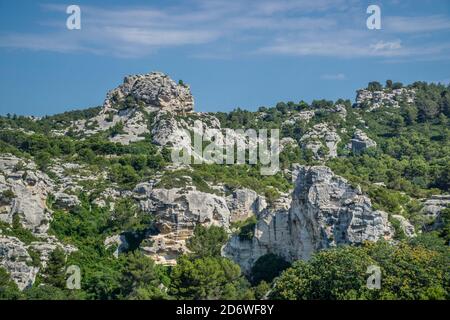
324,210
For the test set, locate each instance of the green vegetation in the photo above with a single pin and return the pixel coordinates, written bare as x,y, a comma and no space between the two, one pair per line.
410,162
267,267
207,242
17,230
407,272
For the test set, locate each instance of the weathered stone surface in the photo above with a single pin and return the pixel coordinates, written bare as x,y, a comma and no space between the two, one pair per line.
361,142
318,137
433,208
405,225
30,189
15,259
324,210
243,203
376,99
120,241
65,201
177,212
434,205
154,90
302,116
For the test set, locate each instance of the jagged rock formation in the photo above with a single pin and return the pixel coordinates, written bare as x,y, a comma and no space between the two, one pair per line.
177,212
15,258
322,139
154,90
361,142
30,189
303,116
126,108
27,189
433,207
376,99
324,210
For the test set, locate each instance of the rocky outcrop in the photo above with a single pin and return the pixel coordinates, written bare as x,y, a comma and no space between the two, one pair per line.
433,207
323,211
244,203
120,241
405,225
30,189
153,90
65,201
373,100
322,140
177,212
435,204
26,190
15,258
302,116
361,142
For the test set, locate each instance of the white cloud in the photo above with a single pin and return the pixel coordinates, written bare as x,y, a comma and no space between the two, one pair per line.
334,28
416,24
386,45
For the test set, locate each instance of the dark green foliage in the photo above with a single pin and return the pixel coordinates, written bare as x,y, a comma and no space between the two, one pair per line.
207,241
407,272
246,228
208,278
54,273
267,267
374,86
6,196
141,279
8,289
17,230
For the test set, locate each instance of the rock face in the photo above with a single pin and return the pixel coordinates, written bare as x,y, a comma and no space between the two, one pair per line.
405,225
434,205
433,208
15,259
26,190
244,203
321,137
177,212
155,90
120,241
323,211
376,99
29,189
361,142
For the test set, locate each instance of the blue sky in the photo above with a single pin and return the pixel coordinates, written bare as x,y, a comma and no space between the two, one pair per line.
246,53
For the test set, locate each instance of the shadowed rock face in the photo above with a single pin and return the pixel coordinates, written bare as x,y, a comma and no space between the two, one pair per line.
154,90
323,211
361,142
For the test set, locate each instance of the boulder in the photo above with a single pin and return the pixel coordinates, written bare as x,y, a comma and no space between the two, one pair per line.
361,142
